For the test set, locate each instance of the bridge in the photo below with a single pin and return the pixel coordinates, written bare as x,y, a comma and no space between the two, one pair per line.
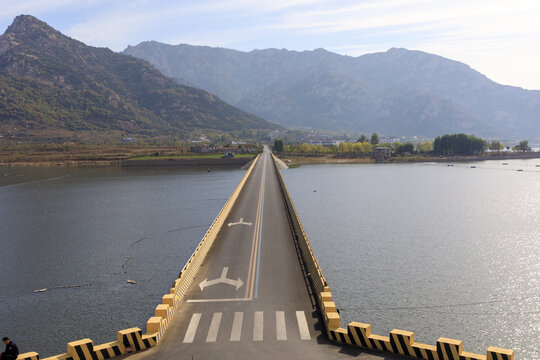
253,289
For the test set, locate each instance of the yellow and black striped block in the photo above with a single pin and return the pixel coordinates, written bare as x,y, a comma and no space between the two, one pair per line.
153,325
332,320
108,350
379,342
325,296
150,339
28,356
168,299
465,355
81,350
494,353
425,351
340,335
132,340
449,349
402,341
359,334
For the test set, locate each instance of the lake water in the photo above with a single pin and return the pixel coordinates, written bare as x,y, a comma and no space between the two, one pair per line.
62,226
442,251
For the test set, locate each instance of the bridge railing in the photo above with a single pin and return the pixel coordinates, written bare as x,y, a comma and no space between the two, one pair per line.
399,342
131,340
308,255
171,302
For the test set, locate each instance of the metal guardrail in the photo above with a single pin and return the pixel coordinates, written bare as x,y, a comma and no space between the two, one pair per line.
399,342
130,340
308,255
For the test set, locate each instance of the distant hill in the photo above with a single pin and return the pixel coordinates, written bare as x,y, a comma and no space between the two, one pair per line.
55,88
398,92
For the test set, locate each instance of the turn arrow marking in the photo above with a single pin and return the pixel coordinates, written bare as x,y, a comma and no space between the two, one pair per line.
241,222
222,280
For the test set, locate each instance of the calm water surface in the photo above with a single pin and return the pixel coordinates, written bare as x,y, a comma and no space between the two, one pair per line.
438,250
62,226
442,251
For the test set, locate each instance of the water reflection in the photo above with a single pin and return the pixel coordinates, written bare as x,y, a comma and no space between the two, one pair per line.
442,251
69,226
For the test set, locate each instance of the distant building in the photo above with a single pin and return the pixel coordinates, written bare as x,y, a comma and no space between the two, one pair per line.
382,153
327,143
388,140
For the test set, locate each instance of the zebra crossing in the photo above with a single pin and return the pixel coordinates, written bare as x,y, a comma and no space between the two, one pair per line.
253,325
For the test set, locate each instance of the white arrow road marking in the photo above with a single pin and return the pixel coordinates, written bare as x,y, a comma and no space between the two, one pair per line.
241,222
222,280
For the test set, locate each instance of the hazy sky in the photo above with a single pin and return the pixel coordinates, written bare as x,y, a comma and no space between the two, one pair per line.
501,39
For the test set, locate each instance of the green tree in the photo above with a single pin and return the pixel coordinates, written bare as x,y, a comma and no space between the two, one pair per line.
278,145
405,148
495,145
523,146
374,139
425,147
459,144
363,138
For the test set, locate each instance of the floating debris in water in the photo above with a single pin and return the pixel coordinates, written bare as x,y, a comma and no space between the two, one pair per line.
125,262
131,281
60,287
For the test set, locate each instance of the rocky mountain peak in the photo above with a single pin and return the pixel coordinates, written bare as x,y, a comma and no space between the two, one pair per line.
29,25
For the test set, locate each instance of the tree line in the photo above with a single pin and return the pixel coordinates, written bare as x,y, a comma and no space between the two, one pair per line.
447,145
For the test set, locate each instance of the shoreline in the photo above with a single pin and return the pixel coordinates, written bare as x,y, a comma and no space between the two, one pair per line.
297,160
117,156
69,155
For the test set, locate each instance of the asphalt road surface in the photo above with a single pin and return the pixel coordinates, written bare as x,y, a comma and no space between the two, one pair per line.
250,299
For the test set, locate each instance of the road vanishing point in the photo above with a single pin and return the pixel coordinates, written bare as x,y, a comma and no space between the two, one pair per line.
252,298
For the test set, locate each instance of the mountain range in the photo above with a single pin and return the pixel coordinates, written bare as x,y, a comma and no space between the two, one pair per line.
398,92
53,87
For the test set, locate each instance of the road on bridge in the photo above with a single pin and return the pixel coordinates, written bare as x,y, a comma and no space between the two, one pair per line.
250,298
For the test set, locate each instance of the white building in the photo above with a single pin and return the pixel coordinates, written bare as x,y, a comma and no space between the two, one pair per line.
388,140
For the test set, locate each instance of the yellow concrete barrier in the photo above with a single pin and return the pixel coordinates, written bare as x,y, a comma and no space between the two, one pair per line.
81,349
168,299
308,255
28,356
449,349
359,334
339,335
494,353
402,341
186,276
132,340
425,351
108,350
153,324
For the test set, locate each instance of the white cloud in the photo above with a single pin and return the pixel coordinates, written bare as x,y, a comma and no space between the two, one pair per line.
496,37
13,8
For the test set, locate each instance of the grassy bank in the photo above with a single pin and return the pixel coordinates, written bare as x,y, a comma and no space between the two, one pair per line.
189,156
297,160
91,154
